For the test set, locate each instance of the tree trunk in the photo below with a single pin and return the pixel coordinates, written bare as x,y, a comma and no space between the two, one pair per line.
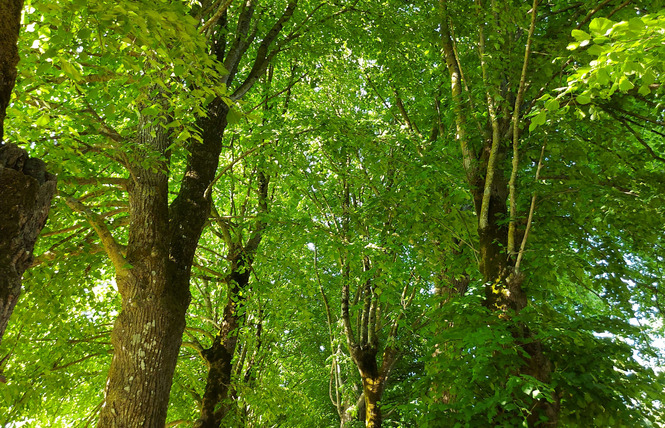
155,283
146,340
161,248
10,10
504,294
147,334
26,189
485,171
374,380
373,390
219,356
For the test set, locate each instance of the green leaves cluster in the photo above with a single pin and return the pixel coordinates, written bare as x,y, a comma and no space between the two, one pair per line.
626,55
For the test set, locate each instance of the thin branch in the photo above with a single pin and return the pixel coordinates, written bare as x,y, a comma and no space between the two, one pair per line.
330,332
87,357
116,181
232,164
287,89
456,91
204,332
483,218
608,108
263,57
218,14
638,138
529,221
210,271
383,100
176,423
83,225
592,13
618,8
241,43
400,105
516,131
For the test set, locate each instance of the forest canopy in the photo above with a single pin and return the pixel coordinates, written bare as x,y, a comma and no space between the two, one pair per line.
318,213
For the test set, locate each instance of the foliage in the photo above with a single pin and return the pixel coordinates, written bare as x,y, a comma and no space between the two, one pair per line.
356,102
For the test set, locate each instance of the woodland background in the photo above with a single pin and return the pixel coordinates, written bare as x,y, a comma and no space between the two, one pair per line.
316,213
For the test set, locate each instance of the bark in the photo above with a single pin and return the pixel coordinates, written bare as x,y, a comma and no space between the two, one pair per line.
216,403
155,285
373,387
216,398
147,333
365,350
26,189
374,379
10,10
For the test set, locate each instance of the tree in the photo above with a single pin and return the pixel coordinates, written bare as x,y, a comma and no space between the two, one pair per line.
26,188
152,271
322,202
489,111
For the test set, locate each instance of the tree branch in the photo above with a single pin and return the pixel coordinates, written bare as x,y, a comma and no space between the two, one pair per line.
529,221
456,90
638,138
218,14
516,133
111,246
263,57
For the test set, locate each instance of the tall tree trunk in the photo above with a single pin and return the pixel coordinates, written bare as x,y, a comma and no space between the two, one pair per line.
26,189
154,279
374,379
219,356
147,333
215,405
373,387
364,351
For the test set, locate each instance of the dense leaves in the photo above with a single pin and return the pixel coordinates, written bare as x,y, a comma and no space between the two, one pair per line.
346,231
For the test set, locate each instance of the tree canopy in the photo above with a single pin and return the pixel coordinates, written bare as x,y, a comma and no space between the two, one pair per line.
313,213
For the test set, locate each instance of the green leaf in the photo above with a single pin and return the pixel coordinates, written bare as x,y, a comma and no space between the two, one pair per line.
599,26
552,105
580,35
644,90
233,116
583,99
603,76
540,119
625,84
70,70
636,24
43,120
595,50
